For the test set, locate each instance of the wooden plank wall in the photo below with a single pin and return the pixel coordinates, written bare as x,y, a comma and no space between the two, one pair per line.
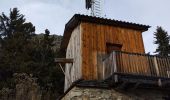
94,39
73,71
136,64
132,63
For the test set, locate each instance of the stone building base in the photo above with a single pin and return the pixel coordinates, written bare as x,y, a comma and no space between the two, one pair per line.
83,93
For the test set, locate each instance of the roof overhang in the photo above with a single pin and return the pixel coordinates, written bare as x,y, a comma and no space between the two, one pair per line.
77,19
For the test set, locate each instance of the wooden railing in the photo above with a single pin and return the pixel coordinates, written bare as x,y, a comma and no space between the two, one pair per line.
136,64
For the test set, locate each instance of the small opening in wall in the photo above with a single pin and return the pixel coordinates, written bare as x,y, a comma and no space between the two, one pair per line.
113,47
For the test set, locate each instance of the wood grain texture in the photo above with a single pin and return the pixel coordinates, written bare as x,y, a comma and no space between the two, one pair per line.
88,48
86,41
73,71
94,39
63,60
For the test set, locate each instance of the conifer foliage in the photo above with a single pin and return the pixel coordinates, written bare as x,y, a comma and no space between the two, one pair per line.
15,36
162,40
15,42
23,51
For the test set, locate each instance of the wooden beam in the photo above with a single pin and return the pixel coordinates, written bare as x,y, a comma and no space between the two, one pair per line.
62,69
136,85
63,60
123,85
156,66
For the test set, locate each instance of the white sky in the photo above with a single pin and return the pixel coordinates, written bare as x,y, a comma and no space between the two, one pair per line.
54,14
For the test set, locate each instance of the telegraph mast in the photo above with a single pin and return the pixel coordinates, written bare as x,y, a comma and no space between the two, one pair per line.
94,6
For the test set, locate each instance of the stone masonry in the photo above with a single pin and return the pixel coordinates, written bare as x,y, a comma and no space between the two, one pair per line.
78,93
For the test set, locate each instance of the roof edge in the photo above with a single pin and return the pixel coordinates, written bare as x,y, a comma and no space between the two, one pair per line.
77,19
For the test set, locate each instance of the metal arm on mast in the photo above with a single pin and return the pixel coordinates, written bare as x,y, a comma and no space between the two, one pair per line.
95,6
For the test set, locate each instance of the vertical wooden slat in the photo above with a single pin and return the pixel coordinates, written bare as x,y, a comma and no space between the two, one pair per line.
95,49
135,63
163,67
121,62
99,51
111,65
104,69
127,63
124,63
118,62
143,67
130,64
115,66
150,65
156,66
90,55
153,64
168,67
152,60
159,66
85,51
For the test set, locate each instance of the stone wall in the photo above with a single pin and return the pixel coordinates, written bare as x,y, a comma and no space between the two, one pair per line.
7,94
78,93
26,89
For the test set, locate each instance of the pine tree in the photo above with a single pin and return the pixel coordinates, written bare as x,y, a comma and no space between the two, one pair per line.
23,51
162,40
15,41
44,67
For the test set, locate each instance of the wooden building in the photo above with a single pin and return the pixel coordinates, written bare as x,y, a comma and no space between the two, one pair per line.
101,48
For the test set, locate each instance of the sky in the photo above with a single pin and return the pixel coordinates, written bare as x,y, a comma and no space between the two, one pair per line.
54,14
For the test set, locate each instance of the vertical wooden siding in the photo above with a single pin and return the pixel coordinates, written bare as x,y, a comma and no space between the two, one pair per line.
73,71
94,39
137,63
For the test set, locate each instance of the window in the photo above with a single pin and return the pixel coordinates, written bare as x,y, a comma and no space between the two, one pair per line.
113,47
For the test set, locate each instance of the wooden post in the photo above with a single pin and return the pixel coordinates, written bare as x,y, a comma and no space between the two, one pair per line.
156,66
114,62
104,69
114,66
65,61
168,73
159,82
62,69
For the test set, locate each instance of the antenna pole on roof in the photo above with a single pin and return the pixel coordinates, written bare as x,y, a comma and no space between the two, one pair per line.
94,6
